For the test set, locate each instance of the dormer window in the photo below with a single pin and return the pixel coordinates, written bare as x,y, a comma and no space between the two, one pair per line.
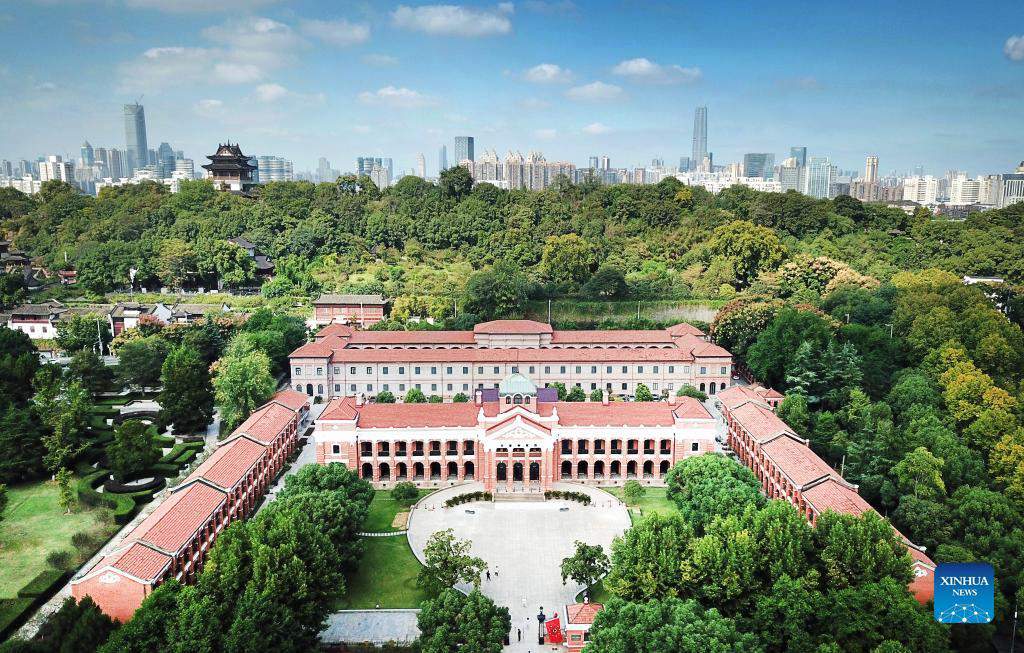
517,399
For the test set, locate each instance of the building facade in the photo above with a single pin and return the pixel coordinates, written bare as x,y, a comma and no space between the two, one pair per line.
464,149
137,147
230,170
788,470
358,310
513,438
345,362
700,137
174,540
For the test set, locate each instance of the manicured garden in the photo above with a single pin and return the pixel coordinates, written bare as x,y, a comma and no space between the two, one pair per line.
387,574
654,500
383,509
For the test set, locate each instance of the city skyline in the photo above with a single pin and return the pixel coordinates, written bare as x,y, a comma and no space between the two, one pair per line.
266,79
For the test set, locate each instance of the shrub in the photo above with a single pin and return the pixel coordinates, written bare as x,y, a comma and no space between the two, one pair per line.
690,391
633,491
60,560
404,492
579,497
81,540
468,497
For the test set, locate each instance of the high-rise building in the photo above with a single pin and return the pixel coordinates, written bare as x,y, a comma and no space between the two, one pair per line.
323,170
56,168
919,170
87,154
442,159
165,160
6,169
421,166
700,134
800,154
923,189
274,168
759,164
964,191
185,167
135,137
389,166
820,174
593,162
1012,189
463,149
871,169
684,163
606,163
792,175
364,164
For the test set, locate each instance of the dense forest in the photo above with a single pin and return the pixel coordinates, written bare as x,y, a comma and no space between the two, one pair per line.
901,375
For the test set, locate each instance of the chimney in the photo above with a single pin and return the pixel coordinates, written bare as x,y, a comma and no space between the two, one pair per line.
478,397
604,397
360,399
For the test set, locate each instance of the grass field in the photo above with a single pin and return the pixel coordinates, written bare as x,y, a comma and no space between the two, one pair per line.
33,526
387,574
598,594
654,501
383,510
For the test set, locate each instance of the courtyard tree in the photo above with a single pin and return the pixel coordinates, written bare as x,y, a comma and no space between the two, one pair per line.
186,400
855,550
405,492
633,491
643,393
576,394
587,565
385,397
415,396
89,369
460,398
132,450
64,408
447,562
79,332
667,624
457,622
65,494
687,390
242,384
710,485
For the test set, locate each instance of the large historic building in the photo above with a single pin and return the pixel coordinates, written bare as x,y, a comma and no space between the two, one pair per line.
346,362
787,469
515,438
174,540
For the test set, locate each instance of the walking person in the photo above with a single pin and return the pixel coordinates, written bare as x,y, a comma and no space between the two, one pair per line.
488,574
519,634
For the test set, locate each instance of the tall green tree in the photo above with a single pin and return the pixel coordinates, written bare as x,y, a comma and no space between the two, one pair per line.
708,486
587,565
454,622
446,562
242,384
132,450
186,400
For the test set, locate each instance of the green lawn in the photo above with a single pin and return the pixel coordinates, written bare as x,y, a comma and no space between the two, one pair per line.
383,510
598,594
654,501
387,573
33,526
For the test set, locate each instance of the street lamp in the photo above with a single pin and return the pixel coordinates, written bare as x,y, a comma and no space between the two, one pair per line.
541,618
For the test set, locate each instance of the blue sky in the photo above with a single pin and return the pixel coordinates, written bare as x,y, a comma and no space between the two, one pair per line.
935,83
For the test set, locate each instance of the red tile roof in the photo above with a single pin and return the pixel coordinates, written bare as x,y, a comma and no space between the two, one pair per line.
738,395
684,329
334,329
582,613
760,422
340,408
615,336
837,496
690,408
230,462
514,416
137,560
266,422
796,460
513,327
417,415
701,348
172,524
292,400
319,349
616,413
412,338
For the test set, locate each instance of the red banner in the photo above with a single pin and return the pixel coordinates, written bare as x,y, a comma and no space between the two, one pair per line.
554,627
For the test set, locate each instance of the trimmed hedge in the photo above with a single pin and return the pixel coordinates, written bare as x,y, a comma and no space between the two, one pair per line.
13,613
44,584
158,483
123,505
581,497
467,497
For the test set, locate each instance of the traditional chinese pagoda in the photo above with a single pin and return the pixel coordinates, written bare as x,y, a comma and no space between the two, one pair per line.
230,170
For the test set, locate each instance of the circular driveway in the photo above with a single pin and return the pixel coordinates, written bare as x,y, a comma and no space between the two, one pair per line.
523,544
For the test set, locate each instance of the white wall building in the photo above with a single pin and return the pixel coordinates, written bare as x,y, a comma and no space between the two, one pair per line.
921,189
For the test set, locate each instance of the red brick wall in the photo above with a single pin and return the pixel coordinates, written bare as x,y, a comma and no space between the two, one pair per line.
117,599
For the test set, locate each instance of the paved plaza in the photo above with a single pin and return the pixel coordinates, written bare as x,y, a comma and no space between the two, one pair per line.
523,543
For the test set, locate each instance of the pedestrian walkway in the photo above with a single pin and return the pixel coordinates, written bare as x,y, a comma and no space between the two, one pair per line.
373,626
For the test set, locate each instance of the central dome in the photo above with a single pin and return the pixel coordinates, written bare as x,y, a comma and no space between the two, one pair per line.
514,384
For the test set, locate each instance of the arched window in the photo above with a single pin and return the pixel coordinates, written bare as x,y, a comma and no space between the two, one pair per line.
367,471
508,399
517,399
566,469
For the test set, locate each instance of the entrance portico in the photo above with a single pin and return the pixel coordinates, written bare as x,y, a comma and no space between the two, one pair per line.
519,453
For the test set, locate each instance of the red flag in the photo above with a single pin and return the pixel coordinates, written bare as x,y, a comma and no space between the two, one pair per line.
554,627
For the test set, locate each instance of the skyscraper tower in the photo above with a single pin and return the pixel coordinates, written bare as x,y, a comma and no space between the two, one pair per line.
871,169
463,149
421,166
700,135
442,159
87,154
800,154
135,136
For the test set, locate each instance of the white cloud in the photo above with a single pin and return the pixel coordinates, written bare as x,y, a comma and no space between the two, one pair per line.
548,73
546,134
336,32
452,20
396,98
596,128
361,129
594,92
189,6
270,92
533,104
506,7
46,86
237,73
1014,48
642,69
379,60
209,108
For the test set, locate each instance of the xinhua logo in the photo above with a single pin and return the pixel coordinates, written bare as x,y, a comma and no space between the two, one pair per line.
964,593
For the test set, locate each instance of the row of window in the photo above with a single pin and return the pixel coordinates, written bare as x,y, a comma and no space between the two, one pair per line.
450,387
418,371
